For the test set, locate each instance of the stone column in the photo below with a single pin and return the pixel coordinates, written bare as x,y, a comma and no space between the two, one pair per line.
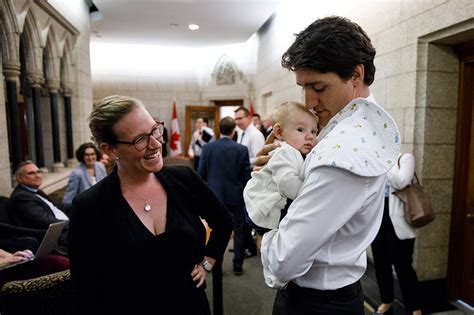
53,88
35,81
69,141
12,73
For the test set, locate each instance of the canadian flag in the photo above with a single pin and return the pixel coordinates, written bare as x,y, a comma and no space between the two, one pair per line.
251,110
175,142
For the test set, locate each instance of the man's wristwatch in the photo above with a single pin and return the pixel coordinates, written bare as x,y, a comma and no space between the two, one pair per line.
206,265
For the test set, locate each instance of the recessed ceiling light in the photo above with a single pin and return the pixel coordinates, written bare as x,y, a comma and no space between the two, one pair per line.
193,27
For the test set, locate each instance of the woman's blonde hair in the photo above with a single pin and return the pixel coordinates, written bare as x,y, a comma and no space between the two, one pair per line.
106,113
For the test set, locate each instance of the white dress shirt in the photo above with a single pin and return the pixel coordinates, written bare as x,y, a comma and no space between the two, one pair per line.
56,211
196,144
253,139
321,243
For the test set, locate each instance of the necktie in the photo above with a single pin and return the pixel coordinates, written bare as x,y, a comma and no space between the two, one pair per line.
243,134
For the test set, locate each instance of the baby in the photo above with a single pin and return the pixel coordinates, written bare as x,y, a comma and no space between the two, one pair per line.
266,193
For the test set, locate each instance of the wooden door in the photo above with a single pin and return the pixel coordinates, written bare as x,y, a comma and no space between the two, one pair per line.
195,112
461,249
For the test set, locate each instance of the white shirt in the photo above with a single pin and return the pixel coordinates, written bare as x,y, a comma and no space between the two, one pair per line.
196,144
56,211
253,139
321,243
267,191
398,178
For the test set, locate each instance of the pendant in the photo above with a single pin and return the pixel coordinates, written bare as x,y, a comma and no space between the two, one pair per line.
147,207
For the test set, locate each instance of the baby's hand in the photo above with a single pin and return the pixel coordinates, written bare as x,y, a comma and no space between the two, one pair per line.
262,155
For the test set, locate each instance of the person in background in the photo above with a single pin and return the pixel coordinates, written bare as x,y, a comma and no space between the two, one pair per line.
257,122
395,241
225,167
30,207
201,136
107,161
249,135
136,237
267,124
270,189
253,139
86,174
317,255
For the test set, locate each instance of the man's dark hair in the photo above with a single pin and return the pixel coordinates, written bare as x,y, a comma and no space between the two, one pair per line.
205,119
247,112
227,126
332,44
256,115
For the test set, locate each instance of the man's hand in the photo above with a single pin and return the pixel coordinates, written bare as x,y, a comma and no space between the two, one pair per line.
262,155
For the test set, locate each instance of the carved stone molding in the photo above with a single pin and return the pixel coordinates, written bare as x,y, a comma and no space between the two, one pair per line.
35,80
11,71
67,91
53,86
225,74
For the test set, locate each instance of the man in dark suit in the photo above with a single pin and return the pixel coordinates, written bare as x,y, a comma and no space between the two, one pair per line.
224,164
31,207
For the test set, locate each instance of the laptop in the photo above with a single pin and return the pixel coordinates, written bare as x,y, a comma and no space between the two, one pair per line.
47,245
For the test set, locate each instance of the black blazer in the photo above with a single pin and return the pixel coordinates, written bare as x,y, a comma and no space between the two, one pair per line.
224,164
28,210
99,219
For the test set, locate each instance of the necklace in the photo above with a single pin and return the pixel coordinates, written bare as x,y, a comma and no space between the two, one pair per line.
147,206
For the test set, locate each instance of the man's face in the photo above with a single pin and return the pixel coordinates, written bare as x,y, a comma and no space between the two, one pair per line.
256,121
199,123
30,176
242,120
325,93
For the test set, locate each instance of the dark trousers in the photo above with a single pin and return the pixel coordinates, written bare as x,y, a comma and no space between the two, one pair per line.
389,250
196,162
304,301
239,223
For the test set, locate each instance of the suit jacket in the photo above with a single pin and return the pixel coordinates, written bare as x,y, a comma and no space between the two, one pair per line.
80,181
99,226
28,210
225,166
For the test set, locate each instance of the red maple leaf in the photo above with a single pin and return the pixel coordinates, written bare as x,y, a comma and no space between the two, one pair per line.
174,139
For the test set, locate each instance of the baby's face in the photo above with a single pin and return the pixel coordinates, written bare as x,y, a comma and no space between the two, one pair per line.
300,132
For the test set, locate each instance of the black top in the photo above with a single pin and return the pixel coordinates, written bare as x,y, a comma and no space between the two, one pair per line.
117,263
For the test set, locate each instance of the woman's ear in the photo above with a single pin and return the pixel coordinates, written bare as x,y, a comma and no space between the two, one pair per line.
278,131
358,75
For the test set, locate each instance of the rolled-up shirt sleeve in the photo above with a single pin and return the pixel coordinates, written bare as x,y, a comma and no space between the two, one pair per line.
311,232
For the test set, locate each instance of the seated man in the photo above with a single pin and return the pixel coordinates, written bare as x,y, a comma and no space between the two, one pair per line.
31,207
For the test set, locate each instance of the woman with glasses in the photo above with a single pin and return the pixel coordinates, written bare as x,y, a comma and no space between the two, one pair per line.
136,238
86,174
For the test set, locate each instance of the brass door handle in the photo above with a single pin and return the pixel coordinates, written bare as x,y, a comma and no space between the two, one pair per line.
470,216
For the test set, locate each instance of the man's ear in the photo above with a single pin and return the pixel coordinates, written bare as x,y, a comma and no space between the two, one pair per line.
358,75
278,131
108,149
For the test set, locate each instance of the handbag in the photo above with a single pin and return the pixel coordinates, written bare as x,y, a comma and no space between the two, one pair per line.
418,209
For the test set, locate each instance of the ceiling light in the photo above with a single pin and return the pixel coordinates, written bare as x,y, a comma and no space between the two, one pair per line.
193,27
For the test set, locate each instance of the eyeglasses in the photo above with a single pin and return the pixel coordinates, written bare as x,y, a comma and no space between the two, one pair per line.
141,142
